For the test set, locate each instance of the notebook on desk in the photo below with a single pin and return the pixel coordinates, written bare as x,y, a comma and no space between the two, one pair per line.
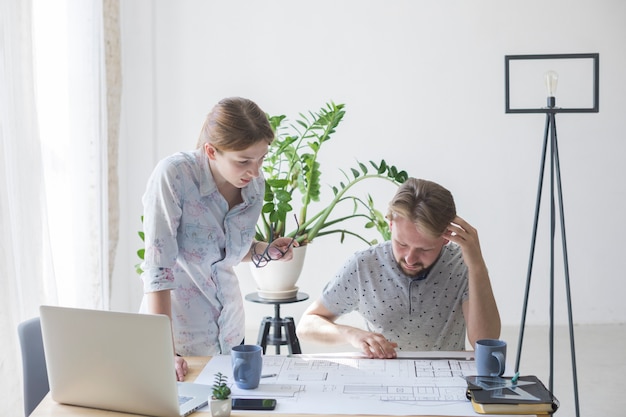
115,361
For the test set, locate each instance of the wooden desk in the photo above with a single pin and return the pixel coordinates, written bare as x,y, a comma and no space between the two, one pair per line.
50,408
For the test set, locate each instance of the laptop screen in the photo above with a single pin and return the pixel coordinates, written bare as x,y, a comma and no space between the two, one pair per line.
113,360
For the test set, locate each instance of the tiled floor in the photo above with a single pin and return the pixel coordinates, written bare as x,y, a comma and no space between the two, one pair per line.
600,352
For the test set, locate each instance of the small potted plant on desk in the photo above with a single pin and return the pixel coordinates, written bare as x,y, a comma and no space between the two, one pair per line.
220,403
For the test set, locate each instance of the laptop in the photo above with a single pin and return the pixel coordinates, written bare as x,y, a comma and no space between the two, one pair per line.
115,361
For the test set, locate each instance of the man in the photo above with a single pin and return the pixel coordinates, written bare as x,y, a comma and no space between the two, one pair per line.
420,291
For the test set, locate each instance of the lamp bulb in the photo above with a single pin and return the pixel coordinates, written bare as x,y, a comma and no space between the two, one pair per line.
552,79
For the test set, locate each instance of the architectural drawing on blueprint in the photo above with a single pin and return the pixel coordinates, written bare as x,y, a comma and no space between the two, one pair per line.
359,385
404,379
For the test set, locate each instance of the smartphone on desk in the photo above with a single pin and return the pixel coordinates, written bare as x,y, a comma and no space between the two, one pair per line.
254,403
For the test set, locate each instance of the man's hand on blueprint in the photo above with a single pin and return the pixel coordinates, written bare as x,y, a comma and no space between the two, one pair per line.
373,345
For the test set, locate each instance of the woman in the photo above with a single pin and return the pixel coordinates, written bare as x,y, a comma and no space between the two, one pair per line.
200,212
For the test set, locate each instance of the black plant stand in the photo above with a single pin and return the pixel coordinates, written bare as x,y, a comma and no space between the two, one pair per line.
278,324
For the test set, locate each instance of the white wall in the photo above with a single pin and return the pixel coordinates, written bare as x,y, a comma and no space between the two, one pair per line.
423,84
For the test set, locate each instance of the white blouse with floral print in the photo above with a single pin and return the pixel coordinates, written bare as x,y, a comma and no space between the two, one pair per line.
192,242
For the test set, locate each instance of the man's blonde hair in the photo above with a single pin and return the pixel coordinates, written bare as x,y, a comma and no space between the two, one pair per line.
426,204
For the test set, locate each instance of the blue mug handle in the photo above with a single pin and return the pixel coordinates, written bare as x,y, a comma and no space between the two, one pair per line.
501,364
236,368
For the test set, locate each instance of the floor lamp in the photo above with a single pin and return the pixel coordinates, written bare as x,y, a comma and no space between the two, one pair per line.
550,144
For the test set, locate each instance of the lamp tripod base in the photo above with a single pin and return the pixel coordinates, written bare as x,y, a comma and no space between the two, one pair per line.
555,189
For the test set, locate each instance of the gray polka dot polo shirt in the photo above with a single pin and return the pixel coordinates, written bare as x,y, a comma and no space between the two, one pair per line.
417,314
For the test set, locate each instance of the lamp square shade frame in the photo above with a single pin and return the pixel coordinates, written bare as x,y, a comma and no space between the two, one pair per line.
594,87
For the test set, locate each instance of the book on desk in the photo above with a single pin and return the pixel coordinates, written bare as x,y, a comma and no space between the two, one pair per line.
500,395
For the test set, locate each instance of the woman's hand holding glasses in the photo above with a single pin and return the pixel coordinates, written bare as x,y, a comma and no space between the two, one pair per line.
279,248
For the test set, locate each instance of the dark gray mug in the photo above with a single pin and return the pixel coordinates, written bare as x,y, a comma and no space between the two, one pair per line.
490,357
247,361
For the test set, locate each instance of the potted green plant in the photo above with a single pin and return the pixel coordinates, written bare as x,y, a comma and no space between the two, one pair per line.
293,183
220,403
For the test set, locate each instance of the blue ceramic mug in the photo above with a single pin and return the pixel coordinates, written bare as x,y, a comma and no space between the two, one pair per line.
490,357
247,361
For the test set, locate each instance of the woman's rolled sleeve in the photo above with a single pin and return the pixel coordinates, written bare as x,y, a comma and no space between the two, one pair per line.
157,279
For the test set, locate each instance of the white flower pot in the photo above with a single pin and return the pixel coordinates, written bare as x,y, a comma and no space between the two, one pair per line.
277,279
220,408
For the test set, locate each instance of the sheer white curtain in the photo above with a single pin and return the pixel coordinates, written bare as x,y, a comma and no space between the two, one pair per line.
71,97
53,206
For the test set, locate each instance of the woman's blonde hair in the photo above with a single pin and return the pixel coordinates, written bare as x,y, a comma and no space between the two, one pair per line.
426,204
234,124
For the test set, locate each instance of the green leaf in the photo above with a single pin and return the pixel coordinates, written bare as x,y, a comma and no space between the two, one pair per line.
267,208
274,217
282,196
284,207
277,183
382,167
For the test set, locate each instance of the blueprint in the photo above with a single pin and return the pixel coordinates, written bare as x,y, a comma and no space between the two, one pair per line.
337,384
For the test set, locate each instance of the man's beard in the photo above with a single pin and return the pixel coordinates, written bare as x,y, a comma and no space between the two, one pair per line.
414,270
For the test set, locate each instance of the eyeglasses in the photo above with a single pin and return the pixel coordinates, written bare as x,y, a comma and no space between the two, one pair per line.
272,253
